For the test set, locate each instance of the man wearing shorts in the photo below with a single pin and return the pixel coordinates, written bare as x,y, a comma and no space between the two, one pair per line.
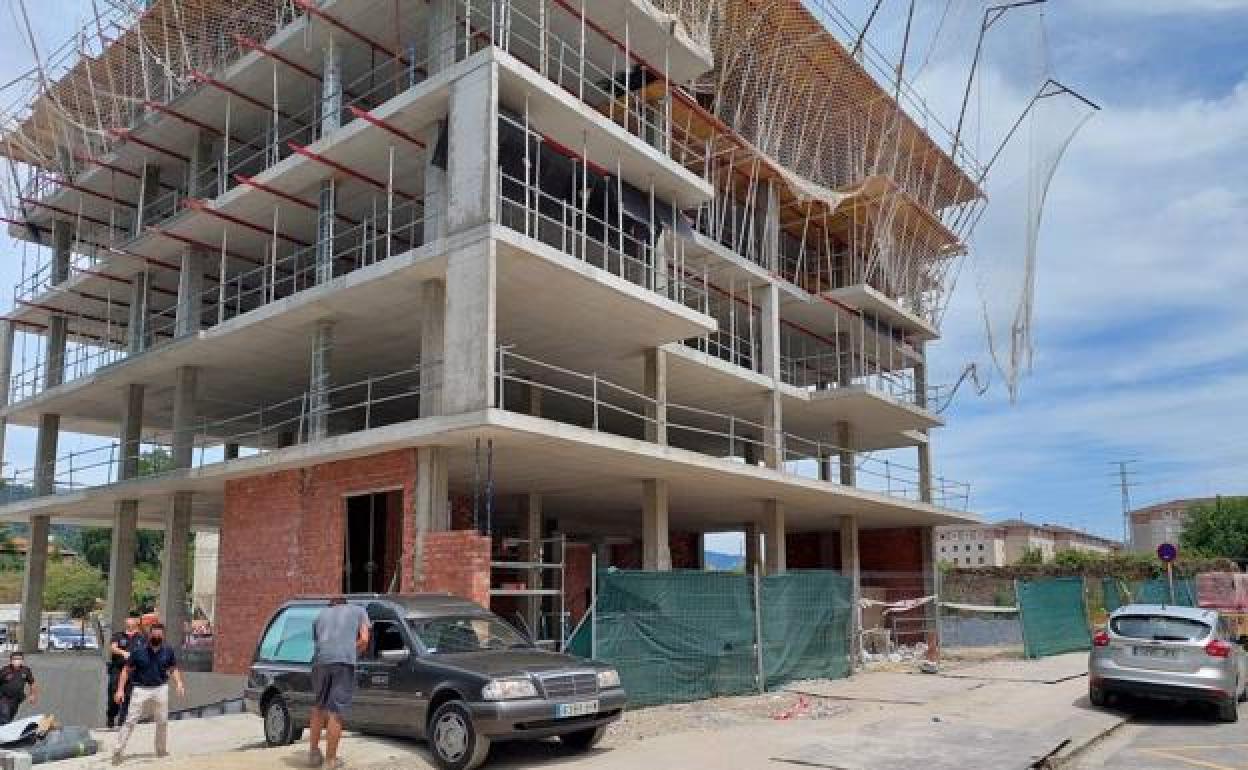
341,633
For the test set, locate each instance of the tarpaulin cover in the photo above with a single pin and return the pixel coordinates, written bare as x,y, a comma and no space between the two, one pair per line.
1157,591
1055,616
688,635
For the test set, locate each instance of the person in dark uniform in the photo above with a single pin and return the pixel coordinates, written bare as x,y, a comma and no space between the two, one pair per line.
123,642
150,667
15,678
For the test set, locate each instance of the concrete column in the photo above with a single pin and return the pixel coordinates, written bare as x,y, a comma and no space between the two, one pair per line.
773,430
125,539
469,343
190,309
767,298
531,511
231,451
656,553
931,587
202,159
33,582
129,436
845,454
432,338
431,508
331,89
319,388
62,245
924,449
149,190
136,330
45,454
655,387
774,537
441,34
6,372
750,531
173,567
54,362
851,567
186,387
472,161
326,213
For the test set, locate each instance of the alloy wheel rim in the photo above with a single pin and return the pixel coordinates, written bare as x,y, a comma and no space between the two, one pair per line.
451,737
276,722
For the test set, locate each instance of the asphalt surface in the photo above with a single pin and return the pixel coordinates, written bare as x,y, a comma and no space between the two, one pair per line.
1171,736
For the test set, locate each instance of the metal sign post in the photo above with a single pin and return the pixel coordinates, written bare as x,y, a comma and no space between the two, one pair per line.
1168,552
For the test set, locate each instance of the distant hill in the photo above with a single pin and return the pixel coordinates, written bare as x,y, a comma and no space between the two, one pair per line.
724,561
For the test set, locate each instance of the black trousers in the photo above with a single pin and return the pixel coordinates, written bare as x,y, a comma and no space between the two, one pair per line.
8,709
116,713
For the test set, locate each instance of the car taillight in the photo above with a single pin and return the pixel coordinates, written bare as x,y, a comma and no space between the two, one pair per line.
1101,639
1218,649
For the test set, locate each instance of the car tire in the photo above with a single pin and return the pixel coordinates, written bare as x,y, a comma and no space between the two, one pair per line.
1228,710
583,740
279,727
454,740
1243,694
1098,697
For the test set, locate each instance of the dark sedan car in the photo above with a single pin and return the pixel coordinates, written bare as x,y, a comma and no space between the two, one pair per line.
441,668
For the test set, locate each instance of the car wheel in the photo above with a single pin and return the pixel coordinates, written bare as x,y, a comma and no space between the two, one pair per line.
1243,694
279,728
454,739
1228,710
1098,697
583,740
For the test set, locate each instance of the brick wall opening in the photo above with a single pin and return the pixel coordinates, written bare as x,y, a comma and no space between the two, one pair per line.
373,545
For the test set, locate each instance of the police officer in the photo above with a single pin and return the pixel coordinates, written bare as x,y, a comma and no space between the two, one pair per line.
15,678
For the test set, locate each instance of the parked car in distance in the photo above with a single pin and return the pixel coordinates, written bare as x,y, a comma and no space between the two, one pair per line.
68,637
1177,653
440,668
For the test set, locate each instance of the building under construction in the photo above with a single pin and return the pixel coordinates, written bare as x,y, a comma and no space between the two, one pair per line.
463,294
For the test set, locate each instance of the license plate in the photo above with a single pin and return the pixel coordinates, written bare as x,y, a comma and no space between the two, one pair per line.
578,709
1154,652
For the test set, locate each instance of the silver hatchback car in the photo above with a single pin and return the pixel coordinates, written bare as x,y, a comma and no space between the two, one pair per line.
1180,653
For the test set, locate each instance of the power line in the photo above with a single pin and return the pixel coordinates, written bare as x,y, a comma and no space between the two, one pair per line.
1125,484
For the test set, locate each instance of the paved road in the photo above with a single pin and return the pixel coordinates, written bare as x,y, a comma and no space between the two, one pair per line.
1166,736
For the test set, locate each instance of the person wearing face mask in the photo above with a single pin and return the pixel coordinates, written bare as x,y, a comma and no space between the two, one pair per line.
15,678
122,643
149,667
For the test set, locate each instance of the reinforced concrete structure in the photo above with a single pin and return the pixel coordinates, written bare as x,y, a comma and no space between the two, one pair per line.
450,295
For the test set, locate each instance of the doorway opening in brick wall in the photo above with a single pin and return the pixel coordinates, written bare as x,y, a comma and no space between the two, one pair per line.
371,548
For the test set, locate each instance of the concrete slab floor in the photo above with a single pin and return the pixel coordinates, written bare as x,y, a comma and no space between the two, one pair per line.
1047,670
887,687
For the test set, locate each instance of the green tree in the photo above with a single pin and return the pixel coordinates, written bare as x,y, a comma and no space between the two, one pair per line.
94,544
73,586
1218,529
145,591
1031,557
155,461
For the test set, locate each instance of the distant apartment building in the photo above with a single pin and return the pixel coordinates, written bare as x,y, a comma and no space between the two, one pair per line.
1005,542
1161,523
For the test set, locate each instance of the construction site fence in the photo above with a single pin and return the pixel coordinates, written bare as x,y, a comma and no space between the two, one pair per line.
689,635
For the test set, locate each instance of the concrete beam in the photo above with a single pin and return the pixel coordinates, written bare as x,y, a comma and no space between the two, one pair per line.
33,583
656,552
54,362
124,543
472,160
432,339
130,432
45,454
62,245
185,395
190,308
655,384
136,330
775,536
471,329
173,567
321,383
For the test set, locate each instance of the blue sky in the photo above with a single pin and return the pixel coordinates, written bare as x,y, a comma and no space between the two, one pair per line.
1140,328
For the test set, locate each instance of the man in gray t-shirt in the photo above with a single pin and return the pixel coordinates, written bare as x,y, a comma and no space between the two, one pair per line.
341,632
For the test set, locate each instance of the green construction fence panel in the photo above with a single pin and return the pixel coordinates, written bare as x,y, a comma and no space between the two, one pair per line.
805,626
1055,616
1157,591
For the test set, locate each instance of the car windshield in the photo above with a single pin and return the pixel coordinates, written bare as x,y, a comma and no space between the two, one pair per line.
1160,628
465,634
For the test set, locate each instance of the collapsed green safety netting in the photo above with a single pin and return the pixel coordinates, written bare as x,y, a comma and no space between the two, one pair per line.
683,636
1054,615
1155,591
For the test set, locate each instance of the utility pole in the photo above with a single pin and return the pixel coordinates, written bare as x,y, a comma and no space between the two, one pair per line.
1125,484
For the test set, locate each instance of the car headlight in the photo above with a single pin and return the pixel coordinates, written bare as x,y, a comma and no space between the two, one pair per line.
509,689
608,678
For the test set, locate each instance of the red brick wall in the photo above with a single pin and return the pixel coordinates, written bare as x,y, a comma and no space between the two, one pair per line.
457,562
577,561
805,550
282,535
625,556
891,550
685,550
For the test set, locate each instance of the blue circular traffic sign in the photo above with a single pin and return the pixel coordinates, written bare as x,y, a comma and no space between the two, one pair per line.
1167,552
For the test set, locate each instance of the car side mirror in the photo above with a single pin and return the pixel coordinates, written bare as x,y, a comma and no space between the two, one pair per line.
395,656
